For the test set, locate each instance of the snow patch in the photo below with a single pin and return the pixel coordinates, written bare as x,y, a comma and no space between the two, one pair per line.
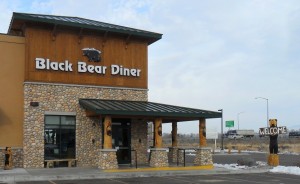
287,170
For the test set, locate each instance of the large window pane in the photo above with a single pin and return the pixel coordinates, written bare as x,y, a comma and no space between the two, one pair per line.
52,120
67,120
59,137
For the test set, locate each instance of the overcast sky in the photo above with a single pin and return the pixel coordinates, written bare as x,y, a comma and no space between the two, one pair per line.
216,54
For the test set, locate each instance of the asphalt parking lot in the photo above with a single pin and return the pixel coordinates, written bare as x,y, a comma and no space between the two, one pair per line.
263,178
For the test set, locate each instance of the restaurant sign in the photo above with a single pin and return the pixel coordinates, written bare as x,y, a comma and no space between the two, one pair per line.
83,67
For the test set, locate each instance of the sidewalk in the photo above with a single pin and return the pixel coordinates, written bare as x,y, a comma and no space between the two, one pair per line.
75,173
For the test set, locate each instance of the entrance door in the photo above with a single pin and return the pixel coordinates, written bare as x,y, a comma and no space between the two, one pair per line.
121,140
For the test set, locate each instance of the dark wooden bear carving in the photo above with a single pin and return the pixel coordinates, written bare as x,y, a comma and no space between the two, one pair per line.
273,147
92,54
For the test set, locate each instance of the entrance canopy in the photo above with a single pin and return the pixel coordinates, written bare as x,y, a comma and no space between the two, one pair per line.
147,110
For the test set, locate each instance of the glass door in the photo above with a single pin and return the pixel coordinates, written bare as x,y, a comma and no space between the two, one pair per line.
121,140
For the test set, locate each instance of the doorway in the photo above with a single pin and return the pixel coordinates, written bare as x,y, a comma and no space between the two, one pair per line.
121,139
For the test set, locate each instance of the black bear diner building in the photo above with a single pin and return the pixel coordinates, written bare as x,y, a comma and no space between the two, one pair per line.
75,90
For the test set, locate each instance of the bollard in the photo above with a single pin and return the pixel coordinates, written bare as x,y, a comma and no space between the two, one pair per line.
8,159
229,150
239,150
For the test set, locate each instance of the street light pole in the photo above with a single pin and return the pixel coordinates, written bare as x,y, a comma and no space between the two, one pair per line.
267,108
238,118
222,136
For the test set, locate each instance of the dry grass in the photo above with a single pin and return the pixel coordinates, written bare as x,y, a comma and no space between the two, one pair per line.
284,144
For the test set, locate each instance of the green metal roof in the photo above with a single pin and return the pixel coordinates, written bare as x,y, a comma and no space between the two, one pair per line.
146,109
84,23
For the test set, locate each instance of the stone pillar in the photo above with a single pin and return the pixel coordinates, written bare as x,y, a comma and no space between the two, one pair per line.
173,150
203,157
202,132
108,159
108,156
181,156
158,155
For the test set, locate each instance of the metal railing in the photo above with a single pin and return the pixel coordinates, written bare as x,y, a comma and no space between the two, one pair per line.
184,155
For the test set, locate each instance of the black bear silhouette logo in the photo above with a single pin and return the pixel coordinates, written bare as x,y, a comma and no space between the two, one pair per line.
92,54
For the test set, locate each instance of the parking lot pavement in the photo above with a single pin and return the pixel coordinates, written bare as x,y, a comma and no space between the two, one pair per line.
262,178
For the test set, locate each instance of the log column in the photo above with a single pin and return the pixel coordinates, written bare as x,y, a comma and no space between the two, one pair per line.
202,132
174,134
107,133
158,133
174,148
158,155
108,156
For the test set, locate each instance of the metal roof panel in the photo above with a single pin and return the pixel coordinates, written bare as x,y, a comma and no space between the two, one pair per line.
85,23
142,108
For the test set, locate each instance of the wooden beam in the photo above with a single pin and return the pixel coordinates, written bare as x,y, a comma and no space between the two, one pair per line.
107,137
202,132
80,35
104,38
90,113
54,32
158,133
127,41
23,28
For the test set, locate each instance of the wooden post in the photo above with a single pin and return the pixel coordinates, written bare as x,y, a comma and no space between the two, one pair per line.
107,133
202,132
158,132
174,134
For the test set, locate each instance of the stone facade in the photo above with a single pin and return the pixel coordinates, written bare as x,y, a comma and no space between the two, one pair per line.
203,157
17,157
139,141
64,98
108,159
181,156
159,157
173,151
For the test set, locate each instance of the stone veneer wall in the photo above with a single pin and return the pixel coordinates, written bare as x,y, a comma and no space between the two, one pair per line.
65,98
203,157
173,151
17,157
159,157
108,159
139,141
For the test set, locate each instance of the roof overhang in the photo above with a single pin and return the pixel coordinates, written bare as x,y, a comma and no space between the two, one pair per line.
19,19
145,110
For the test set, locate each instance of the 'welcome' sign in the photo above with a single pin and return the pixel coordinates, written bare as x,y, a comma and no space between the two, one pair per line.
272,130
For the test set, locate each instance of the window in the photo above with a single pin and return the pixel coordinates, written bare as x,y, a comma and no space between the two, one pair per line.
59,137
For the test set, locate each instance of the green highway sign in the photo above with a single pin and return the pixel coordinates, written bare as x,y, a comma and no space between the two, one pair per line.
229,123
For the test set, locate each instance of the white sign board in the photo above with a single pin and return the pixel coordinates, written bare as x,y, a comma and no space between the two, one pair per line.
211,135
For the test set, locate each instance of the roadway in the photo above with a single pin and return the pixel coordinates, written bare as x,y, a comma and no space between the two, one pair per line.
261,178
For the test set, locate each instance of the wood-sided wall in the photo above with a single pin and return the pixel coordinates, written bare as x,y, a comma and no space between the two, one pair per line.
12,60
66,44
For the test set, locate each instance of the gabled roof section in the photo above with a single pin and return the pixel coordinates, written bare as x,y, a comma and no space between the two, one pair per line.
85,24
146,109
